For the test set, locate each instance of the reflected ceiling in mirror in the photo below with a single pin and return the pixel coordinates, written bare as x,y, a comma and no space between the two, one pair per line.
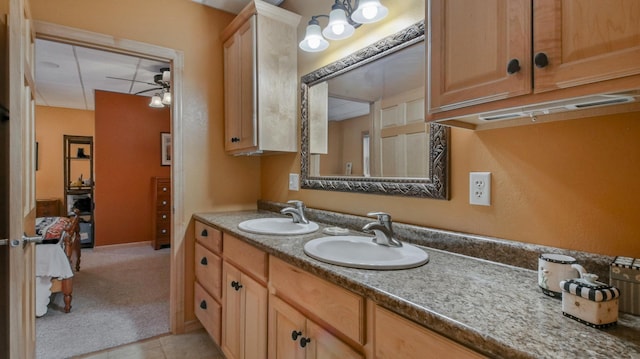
363,125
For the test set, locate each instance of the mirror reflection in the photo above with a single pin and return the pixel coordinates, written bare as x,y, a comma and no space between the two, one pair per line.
373,124
363,123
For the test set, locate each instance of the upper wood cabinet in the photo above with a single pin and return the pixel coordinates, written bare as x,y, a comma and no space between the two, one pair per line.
261,80
496,54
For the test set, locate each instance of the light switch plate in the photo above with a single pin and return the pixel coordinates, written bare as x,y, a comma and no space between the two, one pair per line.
480,188
294,182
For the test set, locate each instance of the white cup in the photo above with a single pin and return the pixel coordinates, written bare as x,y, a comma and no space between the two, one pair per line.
554,268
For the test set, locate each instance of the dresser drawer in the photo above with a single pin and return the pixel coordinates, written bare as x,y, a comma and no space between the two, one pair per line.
209,271
336,306
209,312
250,259
209,237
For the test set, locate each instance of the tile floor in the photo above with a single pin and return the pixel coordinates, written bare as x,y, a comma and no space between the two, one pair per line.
194,345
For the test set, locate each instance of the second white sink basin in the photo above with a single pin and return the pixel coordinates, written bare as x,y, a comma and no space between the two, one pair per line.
362,252
277,226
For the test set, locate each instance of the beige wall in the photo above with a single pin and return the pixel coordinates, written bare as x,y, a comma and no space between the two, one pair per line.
566,184
51,124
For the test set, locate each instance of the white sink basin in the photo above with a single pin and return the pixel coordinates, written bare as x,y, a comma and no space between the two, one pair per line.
361,252
277,226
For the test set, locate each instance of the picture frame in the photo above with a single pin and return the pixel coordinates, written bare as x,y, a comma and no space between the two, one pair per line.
165,145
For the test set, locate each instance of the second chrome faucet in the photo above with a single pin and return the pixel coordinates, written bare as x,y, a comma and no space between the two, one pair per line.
297,212
383,230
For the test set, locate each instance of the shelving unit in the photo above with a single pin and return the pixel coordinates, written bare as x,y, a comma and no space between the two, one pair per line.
79,183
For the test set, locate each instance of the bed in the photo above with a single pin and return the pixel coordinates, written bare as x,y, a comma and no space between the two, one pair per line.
56,256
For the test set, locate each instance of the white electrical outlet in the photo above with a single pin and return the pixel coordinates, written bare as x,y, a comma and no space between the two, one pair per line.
294,182
480,188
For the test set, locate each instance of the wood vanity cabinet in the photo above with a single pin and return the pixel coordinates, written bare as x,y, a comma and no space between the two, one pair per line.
260,77
208,284
312,318
244,293
397,337
488,55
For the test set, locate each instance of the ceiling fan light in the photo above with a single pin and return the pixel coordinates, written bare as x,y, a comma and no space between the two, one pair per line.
313,40
166,76
369,11
166,98
156,101
338,27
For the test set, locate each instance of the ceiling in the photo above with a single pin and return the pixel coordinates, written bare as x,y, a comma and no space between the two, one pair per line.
68,75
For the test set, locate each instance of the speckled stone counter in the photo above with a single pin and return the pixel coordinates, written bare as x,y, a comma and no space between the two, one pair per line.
494,308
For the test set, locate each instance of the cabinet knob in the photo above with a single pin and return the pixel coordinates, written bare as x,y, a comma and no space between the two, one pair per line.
513,66
164,231
236,285
295,335
164,203
304,341
164,216
203,304
204,233
541,60
164,189
204,261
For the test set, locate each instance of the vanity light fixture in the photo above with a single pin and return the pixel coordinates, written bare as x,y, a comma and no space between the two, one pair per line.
344,18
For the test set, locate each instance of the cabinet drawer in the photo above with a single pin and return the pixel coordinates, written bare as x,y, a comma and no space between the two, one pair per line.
209,312
247,257
397,337
338,307
163,186
209,271
209,237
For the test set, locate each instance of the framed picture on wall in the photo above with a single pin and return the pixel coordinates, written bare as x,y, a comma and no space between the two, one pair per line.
165,145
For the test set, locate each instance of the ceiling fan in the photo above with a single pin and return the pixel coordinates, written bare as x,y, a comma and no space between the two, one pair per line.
163,80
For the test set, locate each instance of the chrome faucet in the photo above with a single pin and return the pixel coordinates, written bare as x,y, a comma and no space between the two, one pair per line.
296,211
383,230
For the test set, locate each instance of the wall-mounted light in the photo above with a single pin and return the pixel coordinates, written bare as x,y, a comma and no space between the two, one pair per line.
344,18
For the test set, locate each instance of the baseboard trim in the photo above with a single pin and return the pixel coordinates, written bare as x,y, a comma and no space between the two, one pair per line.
120,245
192,326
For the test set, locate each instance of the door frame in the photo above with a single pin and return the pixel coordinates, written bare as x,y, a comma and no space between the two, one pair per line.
74,36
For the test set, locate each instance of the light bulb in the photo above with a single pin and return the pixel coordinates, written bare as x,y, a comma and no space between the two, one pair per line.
338,29
369,12
314,43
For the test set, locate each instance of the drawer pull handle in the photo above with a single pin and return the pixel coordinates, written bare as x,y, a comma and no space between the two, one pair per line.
513,66
164,203
295,335
164,216
204,261
164,189
203,304
236,285
164,231
304,341
204,233
541,60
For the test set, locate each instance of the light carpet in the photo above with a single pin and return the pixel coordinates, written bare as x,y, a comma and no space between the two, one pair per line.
120,295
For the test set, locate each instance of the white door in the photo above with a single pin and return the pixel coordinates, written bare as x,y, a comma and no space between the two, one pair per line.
17,184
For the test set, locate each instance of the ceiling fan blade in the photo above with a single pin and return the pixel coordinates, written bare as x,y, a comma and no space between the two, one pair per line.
118,78
143,91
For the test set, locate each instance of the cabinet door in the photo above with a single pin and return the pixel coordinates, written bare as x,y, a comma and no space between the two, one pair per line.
472,44
585,41
239,64
324,345
286,328
244,315
231,312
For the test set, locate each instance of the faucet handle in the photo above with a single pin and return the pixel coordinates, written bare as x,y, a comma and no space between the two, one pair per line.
382,216
296,203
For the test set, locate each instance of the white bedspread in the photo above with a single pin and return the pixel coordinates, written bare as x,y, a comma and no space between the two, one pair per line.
51,262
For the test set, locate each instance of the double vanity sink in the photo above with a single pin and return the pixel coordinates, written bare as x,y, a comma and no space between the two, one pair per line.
353,251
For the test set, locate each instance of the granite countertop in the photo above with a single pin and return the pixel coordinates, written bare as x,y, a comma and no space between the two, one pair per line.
495,308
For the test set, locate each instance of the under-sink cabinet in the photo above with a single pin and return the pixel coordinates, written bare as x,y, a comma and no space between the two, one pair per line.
327,321
244,293
260,80
490,55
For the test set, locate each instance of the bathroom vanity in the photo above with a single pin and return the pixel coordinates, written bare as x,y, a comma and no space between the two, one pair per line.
454,303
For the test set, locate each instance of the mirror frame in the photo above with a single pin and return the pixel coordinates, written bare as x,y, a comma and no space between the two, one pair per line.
436,185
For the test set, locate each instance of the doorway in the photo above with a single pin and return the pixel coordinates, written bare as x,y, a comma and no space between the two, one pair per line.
175,58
